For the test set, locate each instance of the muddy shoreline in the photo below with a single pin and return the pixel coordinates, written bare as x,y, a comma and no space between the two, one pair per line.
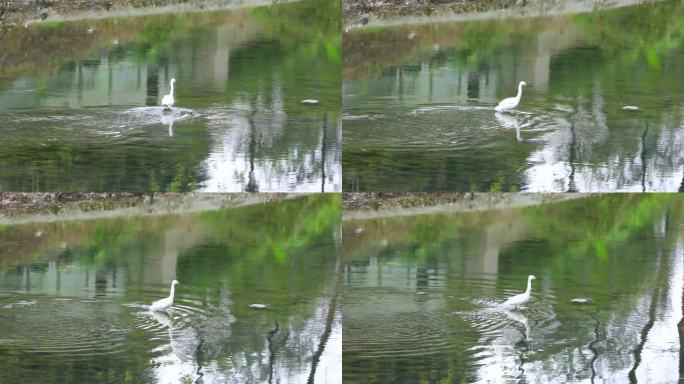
24,13
20,207
362,11
372,205
379,13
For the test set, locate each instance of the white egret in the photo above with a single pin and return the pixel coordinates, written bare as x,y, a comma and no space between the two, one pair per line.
167,100
522,298
511,102
166,302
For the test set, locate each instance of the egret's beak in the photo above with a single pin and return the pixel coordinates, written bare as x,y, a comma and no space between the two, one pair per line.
530,85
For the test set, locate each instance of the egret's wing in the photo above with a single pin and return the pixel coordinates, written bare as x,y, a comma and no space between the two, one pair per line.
515,299
506,103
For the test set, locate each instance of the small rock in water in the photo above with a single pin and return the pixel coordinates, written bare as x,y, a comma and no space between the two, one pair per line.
309,101
258,306
630,108
359,230
581,300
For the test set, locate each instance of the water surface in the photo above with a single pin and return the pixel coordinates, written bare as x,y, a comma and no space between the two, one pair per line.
418,104
79,102
422,294
74,297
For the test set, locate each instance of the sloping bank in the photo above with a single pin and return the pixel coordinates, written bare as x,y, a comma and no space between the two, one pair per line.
371,13
17,208
25,13
364,206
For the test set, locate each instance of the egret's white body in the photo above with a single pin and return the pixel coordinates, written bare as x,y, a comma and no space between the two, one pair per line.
166,302
511,102
167,100
522,298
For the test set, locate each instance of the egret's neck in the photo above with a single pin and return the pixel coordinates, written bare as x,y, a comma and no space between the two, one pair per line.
173,288
172,96
529,287
517,97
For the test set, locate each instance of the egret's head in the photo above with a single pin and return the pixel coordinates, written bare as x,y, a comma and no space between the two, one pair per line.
173,80
522,83
175,282
531,277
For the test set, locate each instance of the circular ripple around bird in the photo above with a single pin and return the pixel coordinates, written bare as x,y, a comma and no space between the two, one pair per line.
94,123
399,334
187,312
77,328
86,327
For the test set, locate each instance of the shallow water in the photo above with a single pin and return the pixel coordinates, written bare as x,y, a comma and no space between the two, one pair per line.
74,297
79,102
422,294
418,104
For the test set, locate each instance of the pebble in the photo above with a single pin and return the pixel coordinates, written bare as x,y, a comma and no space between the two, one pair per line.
581,300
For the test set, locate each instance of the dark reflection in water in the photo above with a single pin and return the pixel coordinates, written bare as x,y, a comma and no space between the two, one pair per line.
422,292
74,296
90,119
422,117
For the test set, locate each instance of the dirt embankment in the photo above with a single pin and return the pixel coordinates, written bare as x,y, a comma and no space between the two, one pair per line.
371,205
20,207
18,204
14,13
361,11
358,13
